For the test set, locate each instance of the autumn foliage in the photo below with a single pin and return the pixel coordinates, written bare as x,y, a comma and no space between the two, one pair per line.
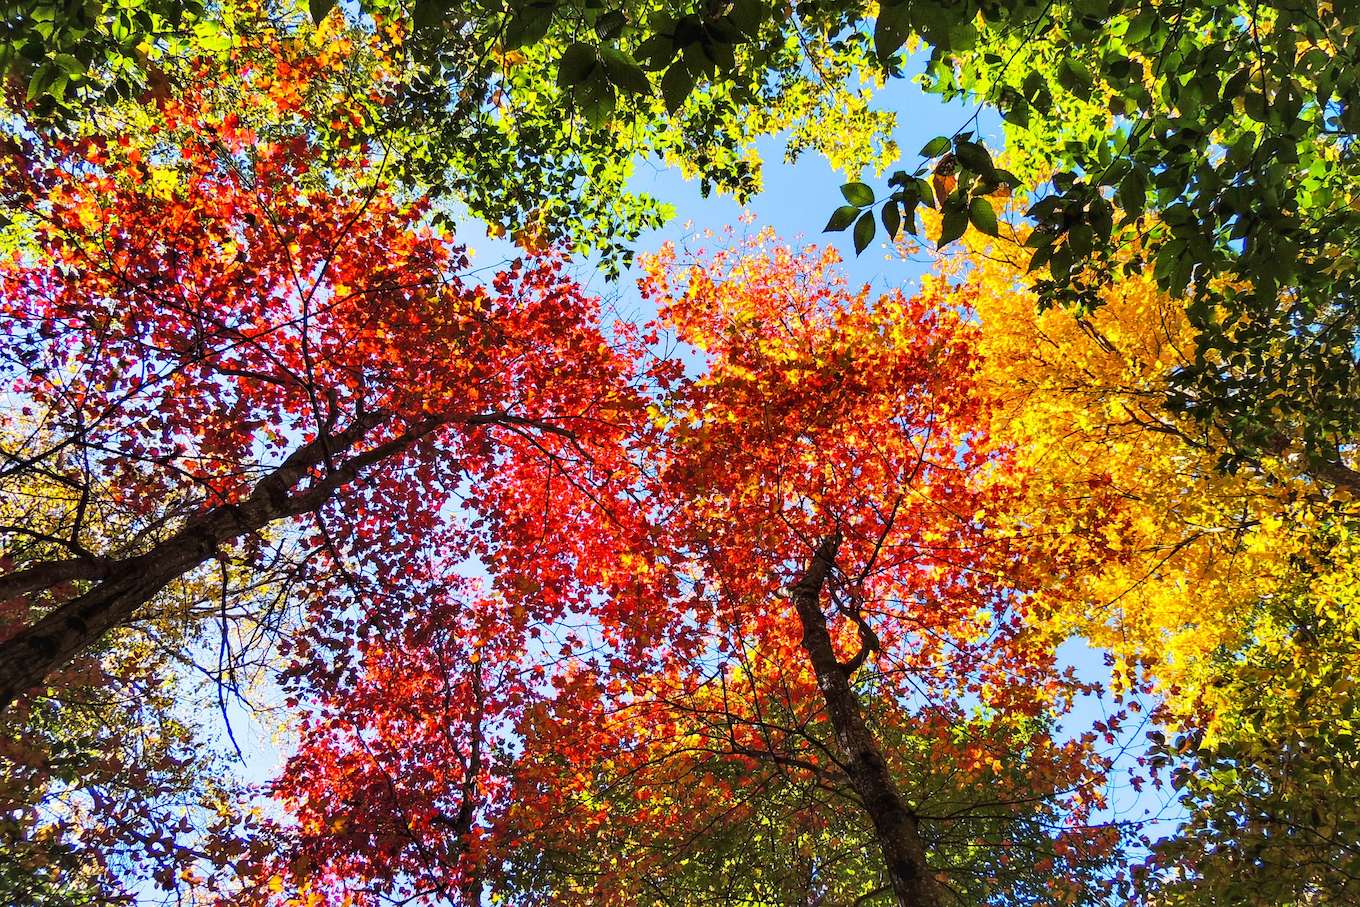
232,358
470,753
767,597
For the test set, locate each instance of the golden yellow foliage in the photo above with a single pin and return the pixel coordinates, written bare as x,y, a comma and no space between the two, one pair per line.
1178,552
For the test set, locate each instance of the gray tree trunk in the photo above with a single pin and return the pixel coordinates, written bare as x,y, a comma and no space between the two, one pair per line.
895,825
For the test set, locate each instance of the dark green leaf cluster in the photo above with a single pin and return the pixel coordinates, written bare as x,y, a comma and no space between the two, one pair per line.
1212,143
964,177
62,56
548,139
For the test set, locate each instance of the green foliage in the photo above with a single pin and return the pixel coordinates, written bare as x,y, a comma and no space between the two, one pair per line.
533,115
970,174
65,55
1271,789
1217,141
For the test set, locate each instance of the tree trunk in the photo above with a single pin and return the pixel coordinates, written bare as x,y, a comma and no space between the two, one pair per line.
32,655
895,825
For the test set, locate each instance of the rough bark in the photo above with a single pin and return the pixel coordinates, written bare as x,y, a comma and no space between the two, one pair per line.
895,825
50,573
1339,475
126,585
32,655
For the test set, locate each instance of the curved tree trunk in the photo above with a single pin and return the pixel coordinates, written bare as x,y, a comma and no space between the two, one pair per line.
123,586
34,653
895,825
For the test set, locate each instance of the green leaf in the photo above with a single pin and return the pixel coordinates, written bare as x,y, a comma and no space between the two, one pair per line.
700,63
1082,239
1140,26
676,86
529,26
962,36
42,77
864,231
656,52
952,225
936,146
1101,215
926,192
1016,112
723,31
892,218
1039,258
1059,261
933,21
595,98
975,158
624,72
1034,84
70,65
891,28
1254,103
1006,178
722,54
1241,150
428,13
858,194
578,62
1075,76
748,15
610,24
841,218
1038,239
319,9
1044,208
982,215
212,38
909,208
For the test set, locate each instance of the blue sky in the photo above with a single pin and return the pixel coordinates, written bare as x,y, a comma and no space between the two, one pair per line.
796,199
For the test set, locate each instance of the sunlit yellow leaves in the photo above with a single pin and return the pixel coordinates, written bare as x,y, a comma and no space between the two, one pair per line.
1177,551
508,58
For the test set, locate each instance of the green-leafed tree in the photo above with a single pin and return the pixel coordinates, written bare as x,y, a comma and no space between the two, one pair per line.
533,115
1214,140
62,57
1231,122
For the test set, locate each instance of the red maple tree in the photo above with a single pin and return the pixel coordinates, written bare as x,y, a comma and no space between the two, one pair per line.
254,387
819,639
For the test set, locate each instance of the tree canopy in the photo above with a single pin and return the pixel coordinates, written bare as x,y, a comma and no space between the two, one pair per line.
767,595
